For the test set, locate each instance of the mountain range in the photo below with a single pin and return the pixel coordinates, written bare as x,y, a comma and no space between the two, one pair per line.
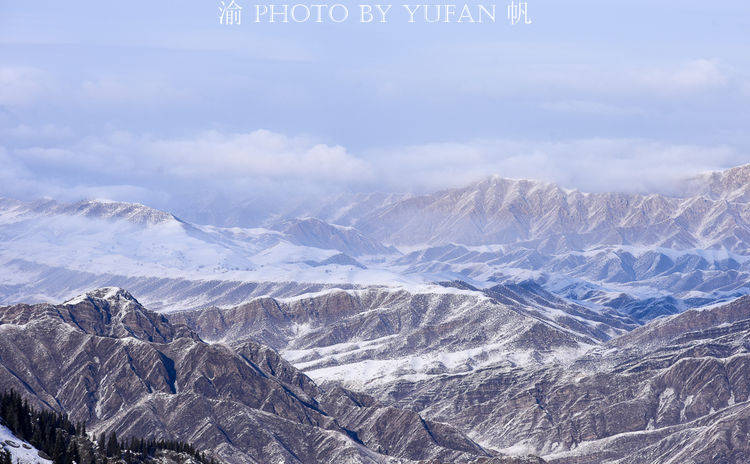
104,359
507,321
643,255
549,218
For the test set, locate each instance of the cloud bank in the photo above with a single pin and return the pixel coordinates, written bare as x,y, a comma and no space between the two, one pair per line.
273,171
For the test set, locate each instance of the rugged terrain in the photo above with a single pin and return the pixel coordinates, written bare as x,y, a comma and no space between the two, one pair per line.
674,390
714,213
380,335
104,359
643,255
507,317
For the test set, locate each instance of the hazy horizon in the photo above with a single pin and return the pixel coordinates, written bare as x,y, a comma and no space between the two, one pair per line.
161,104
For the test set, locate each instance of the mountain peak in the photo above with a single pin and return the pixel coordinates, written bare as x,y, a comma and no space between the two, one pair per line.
497,179
108,294
114,312
96,209
107,209
731,184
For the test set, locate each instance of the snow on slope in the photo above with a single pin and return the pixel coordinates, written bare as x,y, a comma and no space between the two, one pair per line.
133,240
550,218
610,248
21,452
374,336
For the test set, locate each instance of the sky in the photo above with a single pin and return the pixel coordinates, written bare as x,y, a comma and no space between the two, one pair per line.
157,102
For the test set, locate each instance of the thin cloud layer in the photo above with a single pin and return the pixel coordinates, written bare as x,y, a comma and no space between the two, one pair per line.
21,85
209,156
594,165
274,171
695,75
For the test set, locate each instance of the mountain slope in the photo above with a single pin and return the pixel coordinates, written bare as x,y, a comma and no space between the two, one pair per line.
640,282
642,255
106,360
546,216
20,451
729,185
675,390
128,240
379,335
319,234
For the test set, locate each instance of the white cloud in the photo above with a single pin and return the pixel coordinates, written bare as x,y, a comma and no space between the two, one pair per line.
692,76
591,107
21,85
596,164
212,158
273,171
260,153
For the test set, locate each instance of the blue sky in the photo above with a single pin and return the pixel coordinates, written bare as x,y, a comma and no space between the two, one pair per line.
143,100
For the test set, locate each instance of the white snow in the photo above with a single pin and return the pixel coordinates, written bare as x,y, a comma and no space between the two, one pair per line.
23,453
368,372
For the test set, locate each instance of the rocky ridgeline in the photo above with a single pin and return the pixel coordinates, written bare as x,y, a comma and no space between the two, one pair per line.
713,213
105,360
380,335
675,390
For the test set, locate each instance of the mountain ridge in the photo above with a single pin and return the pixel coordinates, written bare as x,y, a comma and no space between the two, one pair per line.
502,211
104,359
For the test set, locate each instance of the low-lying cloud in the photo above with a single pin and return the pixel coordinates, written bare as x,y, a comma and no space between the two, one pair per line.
594,165
275,171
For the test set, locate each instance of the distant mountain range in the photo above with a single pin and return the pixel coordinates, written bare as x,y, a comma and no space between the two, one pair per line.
643,255
713,214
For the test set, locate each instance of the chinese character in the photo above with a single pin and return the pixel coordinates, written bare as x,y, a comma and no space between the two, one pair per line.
518,11
230,14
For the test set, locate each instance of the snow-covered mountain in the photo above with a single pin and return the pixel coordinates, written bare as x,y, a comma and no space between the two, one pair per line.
638,281
345,209
84,241
673,391
645,254
517,311
642,255
730,185
104,359
549,218
376,336
315,233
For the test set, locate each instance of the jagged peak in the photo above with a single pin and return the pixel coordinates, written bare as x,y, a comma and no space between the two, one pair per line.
497,179
114,312
731,184
499,185
742,168
134,212
109,294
